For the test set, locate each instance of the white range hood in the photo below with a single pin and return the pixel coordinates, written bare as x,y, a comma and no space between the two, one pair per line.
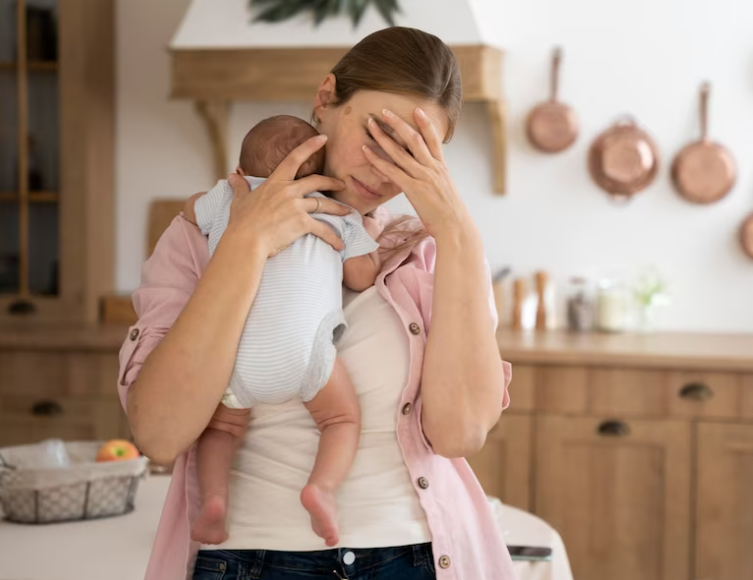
222,24
219,56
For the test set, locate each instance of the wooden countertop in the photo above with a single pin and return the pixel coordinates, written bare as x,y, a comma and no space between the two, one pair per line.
662,350
48,336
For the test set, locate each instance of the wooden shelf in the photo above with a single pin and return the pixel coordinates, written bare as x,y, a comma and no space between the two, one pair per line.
34,196
215,78
33,66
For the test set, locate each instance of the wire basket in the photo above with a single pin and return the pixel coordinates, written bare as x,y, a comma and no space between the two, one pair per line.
83,490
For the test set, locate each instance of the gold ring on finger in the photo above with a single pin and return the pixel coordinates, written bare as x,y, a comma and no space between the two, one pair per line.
318,204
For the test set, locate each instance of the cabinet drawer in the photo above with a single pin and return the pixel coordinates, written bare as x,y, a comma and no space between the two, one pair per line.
28,419
644,393
59,374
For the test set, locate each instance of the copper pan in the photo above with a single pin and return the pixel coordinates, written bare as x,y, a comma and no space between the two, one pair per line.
746,236
703,171
552,126
624,159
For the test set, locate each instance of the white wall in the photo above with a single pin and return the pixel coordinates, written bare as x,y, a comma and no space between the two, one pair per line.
161,148
647,59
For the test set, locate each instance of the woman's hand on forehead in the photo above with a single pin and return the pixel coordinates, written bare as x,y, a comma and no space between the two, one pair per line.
418,168
388,130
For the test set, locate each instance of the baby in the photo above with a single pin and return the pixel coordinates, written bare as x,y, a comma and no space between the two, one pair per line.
287,346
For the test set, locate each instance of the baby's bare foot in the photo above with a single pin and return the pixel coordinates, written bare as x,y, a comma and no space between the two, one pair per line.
321,507
210,527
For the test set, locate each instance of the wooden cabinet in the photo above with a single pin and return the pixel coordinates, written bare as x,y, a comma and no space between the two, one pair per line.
619,493
637,449
60,382
29,420
503,466
57,72
56,158
724,502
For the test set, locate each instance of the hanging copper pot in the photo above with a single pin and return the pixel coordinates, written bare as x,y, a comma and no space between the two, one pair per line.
624,159
552,126
746,236
703,171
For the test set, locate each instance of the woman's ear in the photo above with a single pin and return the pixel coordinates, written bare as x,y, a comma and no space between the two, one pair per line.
325,95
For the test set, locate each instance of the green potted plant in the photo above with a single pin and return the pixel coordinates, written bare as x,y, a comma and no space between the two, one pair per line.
281,10
649,292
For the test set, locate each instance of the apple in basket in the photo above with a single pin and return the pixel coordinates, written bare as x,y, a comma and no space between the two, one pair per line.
117,450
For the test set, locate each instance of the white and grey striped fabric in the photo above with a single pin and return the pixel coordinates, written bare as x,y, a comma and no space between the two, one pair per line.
287,346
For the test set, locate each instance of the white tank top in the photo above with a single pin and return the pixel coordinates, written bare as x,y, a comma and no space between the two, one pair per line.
377,504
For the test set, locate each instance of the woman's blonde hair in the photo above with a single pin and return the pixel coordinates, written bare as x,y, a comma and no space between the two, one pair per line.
406,231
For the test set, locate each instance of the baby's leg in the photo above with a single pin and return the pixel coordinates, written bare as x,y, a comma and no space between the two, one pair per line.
214,457
337,413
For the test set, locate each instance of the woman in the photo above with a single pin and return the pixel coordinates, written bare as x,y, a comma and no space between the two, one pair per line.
411,507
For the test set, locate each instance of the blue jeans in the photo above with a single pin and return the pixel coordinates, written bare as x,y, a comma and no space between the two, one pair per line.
403,563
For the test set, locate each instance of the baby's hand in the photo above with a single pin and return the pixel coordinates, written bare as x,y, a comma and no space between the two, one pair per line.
188,210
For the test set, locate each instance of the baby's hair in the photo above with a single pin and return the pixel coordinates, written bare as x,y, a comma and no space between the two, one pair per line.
271,140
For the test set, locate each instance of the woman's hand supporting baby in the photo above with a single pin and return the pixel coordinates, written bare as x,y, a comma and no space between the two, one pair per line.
277,213
185,376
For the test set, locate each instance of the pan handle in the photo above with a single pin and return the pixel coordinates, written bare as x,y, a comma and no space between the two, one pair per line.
705,90
556,62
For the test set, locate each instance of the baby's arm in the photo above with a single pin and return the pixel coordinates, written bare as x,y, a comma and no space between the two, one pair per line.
188,210
361,272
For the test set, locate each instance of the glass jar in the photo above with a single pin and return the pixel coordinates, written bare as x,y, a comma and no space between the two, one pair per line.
580,307
612,306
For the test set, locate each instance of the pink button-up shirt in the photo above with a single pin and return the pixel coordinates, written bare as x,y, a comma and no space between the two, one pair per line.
466,542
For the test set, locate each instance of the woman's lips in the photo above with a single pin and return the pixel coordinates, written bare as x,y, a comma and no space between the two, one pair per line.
365,190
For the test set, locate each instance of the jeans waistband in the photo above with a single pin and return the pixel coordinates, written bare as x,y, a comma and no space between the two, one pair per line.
343,562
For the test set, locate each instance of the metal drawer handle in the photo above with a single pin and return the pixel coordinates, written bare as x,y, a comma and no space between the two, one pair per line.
21,308
614,429
697,392
46,409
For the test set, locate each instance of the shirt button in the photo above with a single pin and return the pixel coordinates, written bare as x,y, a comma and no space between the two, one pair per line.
407,408
134,334
444,562
423,483
349,558
415,328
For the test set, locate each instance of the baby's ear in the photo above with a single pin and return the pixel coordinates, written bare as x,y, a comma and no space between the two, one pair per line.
239,171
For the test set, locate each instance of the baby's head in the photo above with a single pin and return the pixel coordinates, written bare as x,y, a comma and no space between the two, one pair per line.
271,140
